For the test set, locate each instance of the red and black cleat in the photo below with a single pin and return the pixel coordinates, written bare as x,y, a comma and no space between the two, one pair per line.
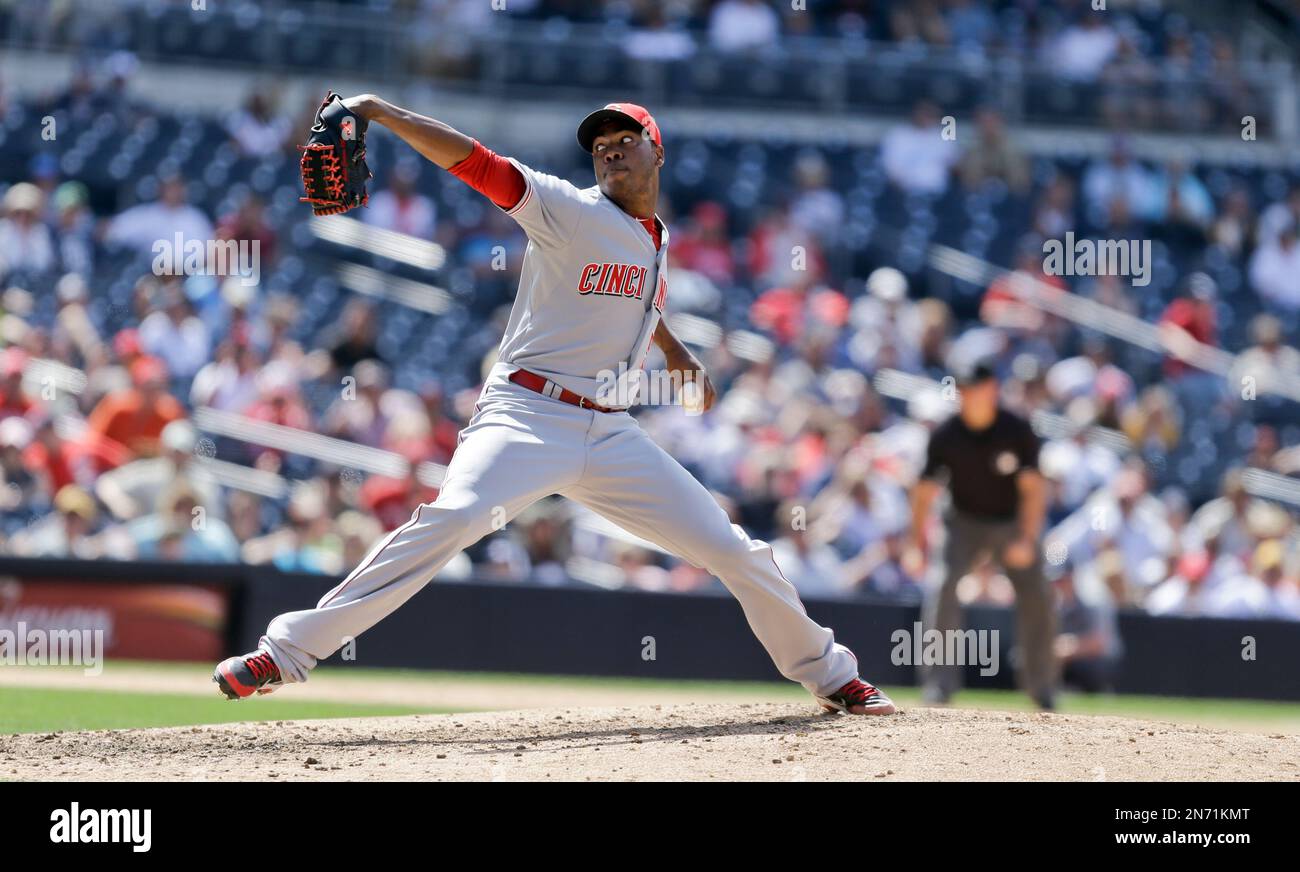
858,698
239,677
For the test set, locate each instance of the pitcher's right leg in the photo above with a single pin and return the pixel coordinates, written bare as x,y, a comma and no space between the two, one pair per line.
401,564
512,454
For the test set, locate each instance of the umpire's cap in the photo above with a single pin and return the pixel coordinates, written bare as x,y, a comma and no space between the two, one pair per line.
628,113
975,370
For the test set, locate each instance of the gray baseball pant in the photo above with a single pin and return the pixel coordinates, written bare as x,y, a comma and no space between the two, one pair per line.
521,446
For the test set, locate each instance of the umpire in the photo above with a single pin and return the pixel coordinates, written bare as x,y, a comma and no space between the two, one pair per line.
988,458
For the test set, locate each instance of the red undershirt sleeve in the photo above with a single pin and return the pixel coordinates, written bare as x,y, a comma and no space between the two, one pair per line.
501,182
491,175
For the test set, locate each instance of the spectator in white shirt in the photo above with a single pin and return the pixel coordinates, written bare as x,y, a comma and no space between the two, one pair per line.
25,242
817,208
1208,583
813,568
1226,518
1282,597
1084,49
657,40
1280,215
401,208
140,227
229,381
256,130
1119,177
1269,362
176,335
1183,593
132,491
1077,467
1127,518
915,156
1275,269
742,25
65,532
885,319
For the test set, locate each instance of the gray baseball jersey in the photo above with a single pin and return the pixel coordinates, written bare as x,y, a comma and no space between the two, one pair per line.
591,293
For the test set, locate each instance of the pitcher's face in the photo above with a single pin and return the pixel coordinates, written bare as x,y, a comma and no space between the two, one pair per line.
625,162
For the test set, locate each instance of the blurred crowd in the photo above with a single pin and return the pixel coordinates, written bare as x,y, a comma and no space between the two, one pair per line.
1151,64
1142,64
101,454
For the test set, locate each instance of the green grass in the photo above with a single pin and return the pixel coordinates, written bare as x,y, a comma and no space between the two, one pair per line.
29,710
1228,713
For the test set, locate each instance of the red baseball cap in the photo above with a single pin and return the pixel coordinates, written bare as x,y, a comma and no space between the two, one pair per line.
148,369
639,116
126,343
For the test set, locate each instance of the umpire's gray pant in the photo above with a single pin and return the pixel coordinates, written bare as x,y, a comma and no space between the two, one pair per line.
969,539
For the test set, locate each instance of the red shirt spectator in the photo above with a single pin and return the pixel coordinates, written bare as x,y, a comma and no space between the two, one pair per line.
281,407
13,399
1003,307
392,500
704,246
132,421
1196,318
787,312
48,456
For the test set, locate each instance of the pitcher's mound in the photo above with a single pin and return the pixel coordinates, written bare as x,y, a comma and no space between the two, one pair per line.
670,742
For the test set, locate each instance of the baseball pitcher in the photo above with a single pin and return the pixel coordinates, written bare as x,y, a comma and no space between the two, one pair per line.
551,419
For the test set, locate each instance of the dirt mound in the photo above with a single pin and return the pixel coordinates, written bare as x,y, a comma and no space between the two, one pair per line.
784,742
439,691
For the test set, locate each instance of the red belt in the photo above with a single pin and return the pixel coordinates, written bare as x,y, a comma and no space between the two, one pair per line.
545,386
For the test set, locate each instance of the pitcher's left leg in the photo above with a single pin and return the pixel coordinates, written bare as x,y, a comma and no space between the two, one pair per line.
634,483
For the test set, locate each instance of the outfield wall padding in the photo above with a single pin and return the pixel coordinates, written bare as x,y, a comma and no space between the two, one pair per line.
578,630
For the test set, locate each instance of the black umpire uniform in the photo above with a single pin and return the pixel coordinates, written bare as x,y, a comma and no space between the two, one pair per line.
981,469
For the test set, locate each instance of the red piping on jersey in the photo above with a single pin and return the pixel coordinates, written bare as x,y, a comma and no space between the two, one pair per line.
388,540
652,227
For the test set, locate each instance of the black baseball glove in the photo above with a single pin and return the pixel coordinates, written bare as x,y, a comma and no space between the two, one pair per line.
334,171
